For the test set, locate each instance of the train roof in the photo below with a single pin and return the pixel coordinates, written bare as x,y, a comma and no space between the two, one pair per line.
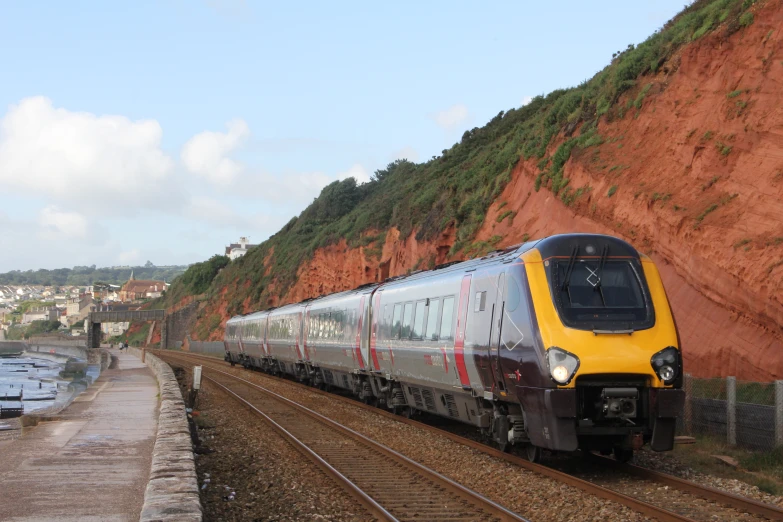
555,245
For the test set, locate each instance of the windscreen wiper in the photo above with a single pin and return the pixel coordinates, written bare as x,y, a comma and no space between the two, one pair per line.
571,261
598,285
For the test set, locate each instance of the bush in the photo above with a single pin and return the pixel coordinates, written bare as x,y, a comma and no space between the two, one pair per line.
746,19
612,190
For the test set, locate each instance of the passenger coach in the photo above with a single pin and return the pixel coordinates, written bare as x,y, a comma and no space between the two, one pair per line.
561,343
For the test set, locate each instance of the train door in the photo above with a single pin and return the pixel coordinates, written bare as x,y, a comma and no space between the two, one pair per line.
495,333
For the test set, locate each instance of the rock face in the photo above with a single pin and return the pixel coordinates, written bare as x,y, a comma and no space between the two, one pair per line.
691,174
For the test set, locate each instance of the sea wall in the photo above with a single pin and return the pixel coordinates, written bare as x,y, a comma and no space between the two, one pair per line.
172,491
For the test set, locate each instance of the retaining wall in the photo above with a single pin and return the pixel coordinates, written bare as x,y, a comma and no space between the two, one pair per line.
209,347
178,324
172,491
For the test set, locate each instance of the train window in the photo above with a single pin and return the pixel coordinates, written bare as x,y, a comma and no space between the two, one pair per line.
396,317
406,321
447,323
418,322
513,294
338,325
432,320
596,296
481,301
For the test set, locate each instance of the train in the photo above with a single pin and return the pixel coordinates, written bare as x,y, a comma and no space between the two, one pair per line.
563,343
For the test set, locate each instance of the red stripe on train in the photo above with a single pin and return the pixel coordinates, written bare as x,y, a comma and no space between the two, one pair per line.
459,340
373,333
359,334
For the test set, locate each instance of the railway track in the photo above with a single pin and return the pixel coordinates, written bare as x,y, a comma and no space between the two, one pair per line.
741,505
393,487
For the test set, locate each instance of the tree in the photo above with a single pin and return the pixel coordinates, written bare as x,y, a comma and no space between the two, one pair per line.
149,264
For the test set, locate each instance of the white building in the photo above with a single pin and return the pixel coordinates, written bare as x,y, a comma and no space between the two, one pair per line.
237,250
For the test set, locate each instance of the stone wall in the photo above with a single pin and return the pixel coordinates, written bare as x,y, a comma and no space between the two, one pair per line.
178,325
172,491
58,347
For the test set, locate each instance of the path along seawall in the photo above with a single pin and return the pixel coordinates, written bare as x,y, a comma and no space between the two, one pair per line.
172,491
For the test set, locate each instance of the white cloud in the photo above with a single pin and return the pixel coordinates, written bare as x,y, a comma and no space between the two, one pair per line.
55,222
452,117
526,100
408,153
205,154
129,257
59,153
356,171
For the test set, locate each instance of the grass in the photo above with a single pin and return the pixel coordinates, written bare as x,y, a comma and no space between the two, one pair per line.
710,183
763,469
706,211
734,94
707,136
568,196
773,266
504,215
724,149
742,242
640,97
611,191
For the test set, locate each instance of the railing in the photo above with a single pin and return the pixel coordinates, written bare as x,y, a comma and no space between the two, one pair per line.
741,413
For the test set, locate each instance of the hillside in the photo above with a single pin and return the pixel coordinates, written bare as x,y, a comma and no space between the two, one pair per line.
676,146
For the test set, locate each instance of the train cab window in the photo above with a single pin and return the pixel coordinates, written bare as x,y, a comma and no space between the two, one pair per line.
418,321
611,296
481,302
432,320
406,321
396,324
447,322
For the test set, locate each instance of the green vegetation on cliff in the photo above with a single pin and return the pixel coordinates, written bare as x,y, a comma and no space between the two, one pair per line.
457,187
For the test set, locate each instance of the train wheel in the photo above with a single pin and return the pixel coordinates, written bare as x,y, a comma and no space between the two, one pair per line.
533,453
622,454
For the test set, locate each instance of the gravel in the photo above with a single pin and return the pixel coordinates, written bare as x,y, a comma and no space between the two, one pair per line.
254,474
532,496
529,494
669,463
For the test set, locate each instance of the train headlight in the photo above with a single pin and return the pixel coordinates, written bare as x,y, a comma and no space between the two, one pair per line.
562,365
666,364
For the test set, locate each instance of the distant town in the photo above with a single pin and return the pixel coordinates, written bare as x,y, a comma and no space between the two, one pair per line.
37,302
36,309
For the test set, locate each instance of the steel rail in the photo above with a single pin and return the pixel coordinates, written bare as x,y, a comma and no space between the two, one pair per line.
737,502
724,497
373,507
639,506
482,503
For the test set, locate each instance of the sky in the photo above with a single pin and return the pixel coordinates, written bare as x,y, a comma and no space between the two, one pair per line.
163,130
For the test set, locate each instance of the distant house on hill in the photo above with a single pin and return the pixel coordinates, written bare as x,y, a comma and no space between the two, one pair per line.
237,250
136,289
40,314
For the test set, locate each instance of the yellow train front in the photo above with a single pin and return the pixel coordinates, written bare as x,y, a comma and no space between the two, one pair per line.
604,369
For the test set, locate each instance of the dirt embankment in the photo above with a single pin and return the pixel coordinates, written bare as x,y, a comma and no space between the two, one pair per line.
695,172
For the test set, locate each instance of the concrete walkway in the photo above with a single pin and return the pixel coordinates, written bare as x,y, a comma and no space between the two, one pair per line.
94,464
